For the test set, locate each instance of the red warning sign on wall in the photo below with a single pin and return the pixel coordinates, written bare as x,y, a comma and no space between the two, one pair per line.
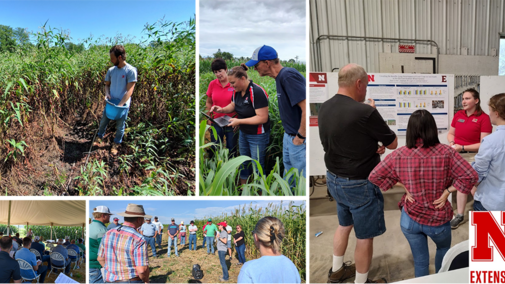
406,48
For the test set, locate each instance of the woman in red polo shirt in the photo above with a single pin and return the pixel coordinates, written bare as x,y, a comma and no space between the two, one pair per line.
468,127
430,171
219,93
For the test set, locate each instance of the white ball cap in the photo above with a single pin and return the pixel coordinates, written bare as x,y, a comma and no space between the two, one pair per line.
102,209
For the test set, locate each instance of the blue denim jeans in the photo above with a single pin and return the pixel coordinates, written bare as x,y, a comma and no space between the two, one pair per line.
158,239
417,234
183,240
150,241
204,240
95,275
293,156
120,125
253,145
192,240
42,271
477,206
231,138
48,259
241,253
359,203
174,241
210,243
222,260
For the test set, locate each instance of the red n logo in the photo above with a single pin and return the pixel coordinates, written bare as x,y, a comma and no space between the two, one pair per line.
371,78
487,230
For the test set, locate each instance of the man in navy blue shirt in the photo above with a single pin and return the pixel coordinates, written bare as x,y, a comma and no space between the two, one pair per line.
173,230
41,248
291,88
9,268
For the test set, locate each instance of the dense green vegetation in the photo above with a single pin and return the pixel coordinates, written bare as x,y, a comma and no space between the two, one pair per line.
218,174
52,99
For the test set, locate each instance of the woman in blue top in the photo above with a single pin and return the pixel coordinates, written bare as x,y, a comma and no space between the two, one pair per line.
272,266
250,102
490,161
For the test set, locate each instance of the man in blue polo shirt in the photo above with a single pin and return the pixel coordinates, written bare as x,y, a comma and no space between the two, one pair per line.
173,230
26,255
149,231
119,84
9,268
291,93
64,252
41,248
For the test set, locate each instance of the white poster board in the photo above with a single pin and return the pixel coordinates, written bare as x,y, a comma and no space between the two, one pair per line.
444,110
397,96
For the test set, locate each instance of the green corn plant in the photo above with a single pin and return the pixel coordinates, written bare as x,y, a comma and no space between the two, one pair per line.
18,149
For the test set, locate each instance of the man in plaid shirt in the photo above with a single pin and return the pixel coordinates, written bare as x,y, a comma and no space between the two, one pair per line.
123,251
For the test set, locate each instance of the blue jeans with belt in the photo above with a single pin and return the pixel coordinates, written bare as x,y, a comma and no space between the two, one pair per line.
150,241
417,236
222,260
120,124
293,156
210,243
241,253
254,146
231,138
192,240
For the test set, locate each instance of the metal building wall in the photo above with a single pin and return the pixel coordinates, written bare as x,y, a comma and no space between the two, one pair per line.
458,27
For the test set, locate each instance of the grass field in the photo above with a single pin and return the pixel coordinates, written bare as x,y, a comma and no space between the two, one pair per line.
51,100
218,175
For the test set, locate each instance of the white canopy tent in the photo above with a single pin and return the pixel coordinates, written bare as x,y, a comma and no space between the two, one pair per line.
43,213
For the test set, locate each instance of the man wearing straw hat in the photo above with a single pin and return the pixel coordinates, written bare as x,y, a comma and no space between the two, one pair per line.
123,251
97,229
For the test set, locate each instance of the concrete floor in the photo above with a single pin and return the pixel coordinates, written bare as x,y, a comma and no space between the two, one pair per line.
392,257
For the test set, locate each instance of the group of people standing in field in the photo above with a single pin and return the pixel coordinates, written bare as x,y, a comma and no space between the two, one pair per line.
232,93
428,170
120,254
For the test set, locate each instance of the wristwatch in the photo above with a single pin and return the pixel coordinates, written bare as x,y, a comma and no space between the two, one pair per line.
300,136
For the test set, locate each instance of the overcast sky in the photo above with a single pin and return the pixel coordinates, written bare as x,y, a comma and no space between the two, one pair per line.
239,27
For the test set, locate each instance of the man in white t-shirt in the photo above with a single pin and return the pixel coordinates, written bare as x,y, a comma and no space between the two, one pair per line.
159,228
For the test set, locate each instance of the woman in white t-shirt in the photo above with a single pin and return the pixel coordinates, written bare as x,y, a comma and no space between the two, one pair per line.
272,266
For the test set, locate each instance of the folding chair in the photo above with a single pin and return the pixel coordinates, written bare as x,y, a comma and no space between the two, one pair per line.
72,252
24,265
36,253
56,256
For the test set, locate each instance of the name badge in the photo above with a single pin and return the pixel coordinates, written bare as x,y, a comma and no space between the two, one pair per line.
230,89
461,120
475,120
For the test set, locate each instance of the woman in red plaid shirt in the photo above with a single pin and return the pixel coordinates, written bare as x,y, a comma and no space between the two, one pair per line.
430,171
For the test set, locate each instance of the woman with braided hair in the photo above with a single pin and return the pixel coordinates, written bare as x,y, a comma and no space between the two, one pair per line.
272,266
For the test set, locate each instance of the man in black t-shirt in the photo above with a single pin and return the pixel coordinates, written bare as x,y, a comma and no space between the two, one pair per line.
350,132
9,268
